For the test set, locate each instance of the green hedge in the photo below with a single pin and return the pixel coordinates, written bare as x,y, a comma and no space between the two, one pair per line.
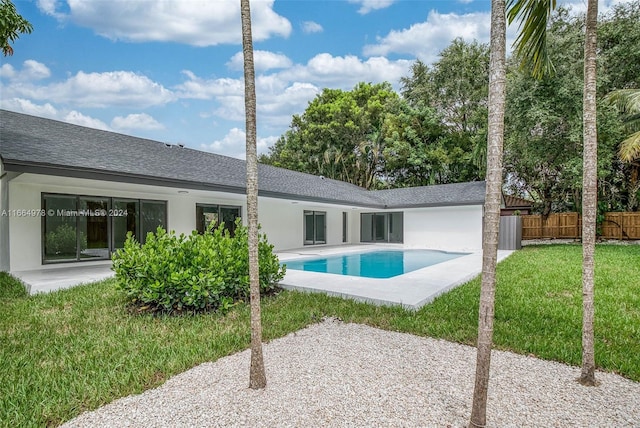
194,273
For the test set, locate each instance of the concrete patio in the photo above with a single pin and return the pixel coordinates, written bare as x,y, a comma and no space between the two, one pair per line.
411,290
60,277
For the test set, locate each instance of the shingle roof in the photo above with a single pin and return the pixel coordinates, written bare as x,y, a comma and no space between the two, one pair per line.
34,144
511,201
471,193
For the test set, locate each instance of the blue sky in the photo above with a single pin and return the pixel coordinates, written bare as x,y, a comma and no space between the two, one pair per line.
171,70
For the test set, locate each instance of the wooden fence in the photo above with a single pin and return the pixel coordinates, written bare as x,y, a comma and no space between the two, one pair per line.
616,225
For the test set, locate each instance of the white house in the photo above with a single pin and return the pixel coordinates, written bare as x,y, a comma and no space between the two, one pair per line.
70,194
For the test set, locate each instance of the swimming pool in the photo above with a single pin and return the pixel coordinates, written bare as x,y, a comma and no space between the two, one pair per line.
374,264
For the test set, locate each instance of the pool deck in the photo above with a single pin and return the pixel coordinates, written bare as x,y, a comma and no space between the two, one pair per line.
411,290
61,276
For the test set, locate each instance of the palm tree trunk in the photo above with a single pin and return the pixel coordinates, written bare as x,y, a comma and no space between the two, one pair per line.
497,84
257,376
589,195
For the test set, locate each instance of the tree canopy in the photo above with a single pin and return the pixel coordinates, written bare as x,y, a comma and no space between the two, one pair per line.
370,136
435,130
12,24
543,147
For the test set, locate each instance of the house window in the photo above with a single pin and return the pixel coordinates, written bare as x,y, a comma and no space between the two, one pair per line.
345,219
381,227
127,220
78,228
210,216
315,227
153,214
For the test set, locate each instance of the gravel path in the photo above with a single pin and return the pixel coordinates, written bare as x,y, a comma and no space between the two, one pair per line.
349,375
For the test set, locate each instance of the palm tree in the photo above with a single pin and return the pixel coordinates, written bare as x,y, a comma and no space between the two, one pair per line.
628,103
530,46
589,194
257,376
532,41
495,139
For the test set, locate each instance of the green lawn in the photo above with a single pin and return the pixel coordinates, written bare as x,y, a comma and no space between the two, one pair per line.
74,350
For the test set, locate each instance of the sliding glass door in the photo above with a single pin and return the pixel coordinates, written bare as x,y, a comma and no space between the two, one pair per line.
315,227
93,227
126,219
210,217
381,227
78,228
60,234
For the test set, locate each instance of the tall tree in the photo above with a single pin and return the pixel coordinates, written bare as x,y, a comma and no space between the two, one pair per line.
12,24
339,135
456,88
497,90
619,47
257,376
544,122
589,194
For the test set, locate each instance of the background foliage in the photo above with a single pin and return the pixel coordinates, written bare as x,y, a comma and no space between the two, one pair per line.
434,131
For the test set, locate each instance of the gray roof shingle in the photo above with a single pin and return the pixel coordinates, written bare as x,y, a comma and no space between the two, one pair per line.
471,193
39,145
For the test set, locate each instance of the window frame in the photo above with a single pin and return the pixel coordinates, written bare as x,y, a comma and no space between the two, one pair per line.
219,208
314,215
110,227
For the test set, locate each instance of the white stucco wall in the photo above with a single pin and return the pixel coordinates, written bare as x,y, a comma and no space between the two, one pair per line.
25,193
446,228
449,228
281,220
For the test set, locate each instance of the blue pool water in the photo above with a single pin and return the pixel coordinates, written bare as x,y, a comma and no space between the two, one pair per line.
375,264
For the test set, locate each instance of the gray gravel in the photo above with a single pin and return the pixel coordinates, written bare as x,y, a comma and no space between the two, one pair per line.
349,375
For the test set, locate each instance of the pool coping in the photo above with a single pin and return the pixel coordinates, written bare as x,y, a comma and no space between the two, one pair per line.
411,290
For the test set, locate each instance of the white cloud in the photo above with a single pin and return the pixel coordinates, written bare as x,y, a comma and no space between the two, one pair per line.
78,118
234,144
231,108
204,89
28,107
136,121
194,22
367,6
108,89
48,6
344,72
31,70
284,93
34,70
262,61
309,27
7,71
426,39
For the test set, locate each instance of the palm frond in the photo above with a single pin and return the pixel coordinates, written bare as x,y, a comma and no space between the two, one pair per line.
630,148
627,101
531,43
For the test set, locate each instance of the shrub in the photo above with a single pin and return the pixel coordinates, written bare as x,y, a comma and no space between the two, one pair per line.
194,273
62,240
